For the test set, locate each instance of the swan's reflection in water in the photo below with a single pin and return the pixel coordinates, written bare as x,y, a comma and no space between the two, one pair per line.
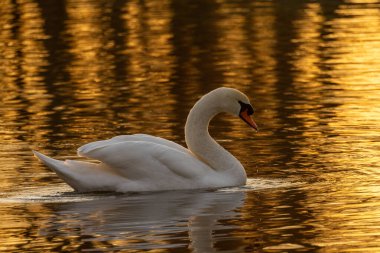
183,219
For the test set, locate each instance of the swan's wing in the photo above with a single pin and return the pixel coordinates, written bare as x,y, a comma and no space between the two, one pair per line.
143,160
88,148
83,176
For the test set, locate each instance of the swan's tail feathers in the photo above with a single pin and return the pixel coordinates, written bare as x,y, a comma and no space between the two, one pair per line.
59,167
82,176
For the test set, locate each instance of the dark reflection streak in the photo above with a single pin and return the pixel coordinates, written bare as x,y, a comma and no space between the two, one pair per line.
285,85
15,32
192,41
182,52
118,32
285,92
328,9
205,38
59,59
181,27
119,63
19,82
54,25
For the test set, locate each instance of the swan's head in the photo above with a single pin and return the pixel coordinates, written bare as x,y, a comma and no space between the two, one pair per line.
236,103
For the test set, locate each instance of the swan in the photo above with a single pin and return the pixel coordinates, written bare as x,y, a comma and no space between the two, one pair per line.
141,162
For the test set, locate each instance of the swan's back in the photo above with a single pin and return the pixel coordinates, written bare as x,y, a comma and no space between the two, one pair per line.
86,149
133,163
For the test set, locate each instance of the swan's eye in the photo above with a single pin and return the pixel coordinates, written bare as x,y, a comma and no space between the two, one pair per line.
246,107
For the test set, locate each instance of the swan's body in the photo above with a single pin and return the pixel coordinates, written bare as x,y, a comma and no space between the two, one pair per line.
133,163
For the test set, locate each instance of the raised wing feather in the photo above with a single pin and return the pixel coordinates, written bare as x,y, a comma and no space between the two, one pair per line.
143,160
88,148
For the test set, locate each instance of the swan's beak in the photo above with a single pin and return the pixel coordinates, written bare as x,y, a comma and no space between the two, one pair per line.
248,119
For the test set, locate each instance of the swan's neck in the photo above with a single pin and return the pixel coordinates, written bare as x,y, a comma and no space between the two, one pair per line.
203,145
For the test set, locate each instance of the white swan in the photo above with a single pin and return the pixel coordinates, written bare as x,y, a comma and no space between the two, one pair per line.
139,162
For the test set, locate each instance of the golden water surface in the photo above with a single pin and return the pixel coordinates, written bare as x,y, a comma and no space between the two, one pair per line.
74,71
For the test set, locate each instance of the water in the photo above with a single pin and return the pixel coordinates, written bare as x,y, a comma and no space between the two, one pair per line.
72,72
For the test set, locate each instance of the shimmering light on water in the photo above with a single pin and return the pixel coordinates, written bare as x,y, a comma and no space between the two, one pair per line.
77,71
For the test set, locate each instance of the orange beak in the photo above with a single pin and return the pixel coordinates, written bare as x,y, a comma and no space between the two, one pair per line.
248,119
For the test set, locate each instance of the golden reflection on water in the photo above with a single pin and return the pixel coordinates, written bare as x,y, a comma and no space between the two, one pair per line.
91,65
355,45
87,70
306,57
150,63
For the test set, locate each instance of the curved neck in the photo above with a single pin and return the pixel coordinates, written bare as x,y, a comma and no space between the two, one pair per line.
202,144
